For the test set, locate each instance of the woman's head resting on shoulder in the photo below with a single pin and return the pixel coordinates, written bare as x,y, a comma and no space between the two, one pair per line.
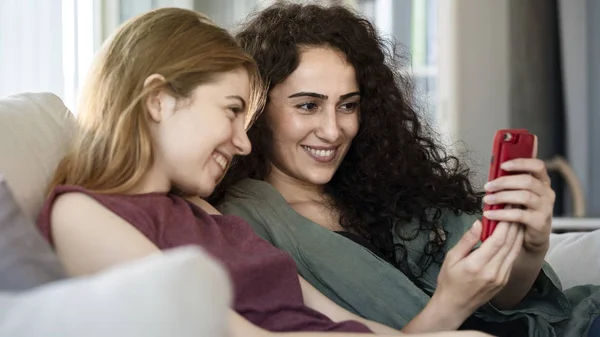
165,106
378,162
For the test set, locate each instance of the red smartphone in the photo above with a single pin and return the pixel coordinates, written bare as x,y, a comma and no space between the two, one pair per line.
508,144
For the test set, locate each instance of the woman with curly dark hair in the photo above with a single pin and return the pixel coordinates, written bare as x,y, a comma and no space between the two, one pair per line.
346,177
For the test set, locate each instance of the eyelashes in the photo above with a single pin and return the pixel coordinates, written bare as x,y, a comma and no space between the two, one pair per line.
312,106
353,106
236,110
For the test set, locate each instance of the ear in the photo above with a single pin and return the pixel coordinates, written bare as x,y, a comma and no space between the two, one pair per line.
158,102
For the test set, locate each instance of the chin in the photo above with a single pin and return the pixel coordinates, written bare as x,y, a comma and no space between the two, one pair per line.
205,192
321,179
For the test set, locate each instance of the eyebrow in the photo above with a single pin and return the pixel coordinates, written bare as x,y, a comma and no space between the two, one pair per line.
321,96
239,98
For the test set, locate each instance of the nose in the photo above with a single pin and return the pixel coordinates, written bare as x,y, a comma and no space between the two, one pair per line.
329,128
241,141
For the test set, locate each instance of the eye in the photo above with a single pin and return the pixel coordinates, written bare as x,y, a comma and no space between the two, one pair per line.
308,106
349,107
234,111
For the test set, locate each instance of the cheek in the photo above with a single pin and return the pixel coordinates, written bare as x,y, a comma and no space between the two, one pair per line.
196,138
288,128
212,126
350,126
286,137
173,134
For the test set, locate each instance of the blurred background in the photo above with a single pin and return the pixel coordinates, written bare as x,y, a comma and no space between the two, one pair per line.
478,66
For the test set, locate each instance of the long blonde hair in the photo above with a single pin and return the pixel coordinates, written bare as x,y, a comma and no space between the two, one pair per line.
113,147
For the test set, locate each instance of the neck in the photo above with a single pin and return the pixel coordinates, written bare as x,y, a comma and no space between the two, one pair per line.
153,181
294,190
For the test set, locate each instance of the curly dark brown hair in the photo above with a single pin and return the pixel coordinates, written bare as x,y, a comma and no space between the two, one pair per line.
394,171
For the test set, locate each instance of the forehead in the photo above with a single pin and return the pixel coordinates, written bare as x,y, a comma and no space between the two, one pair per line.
235,82
322,70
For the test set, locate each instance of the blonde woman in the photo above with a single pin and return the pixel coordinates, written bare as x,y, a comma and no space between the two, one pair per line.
164,111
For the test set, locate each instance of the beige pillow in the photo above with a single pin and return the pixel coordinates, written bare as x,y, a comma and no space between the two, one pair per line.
35,129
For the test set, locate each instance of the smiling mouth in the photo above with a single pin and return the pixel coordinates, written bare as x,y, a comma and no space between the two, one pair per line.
321,155
220,159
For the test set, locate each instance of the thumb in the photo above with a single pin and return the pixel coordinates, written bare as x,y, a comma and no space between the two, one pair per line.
466,244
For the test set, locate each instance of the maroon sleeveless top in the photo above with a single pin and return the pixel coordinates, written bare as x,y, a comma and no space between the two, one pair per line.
267,288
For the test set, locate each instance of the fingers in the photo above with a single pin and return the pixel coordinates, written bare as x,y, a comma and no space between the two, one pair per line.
465,245
476,261
518,182
535,167
511,197
534,219
493,267
494,260
524,190
515,251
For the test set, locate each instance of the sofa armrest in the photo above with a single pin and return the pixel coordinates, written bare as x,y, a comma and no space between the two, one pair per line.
560,224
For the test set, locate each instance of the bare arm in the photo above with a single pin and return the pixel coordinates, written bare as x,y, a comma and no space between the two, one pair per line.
241,327
208,208
524,273
89,238
316,300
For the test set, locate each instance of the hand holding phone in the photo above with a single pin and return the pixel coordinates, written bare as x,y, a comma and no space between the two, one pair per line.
508,144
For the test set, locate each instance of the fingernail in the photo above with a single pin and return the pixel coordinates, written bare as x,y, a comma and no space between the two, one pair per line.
488,186
475,227
506,165
488,198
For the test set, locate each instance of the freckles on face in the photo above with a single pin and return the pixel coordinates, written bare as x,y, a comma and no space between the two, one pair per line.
313,115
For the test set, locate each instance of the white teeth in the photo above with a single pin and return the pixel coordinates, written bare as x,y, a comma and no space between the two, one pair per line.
320,153
220,159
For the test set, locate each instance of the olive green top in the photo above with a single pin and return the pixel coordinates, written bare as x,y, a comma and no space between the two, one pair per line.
358,280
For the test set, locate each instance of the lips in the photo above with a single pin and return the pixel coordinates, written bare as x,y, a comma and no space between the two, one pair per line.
321,154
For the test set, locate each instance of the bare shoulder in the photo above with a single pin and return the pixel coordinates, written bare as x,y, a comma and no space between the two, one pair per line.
89,237
72,205
208,208
79,211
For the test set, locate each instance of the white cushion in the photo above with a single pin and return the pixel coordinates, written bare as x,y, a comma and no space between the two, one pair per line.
35,129
182,293
575,257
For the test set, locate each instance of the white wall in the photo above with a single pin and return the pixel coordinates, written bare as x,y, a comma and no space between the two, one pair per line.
475,84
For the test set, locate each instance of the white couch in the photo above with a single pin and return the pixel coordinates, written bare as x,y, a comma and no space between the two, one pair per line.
182,293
